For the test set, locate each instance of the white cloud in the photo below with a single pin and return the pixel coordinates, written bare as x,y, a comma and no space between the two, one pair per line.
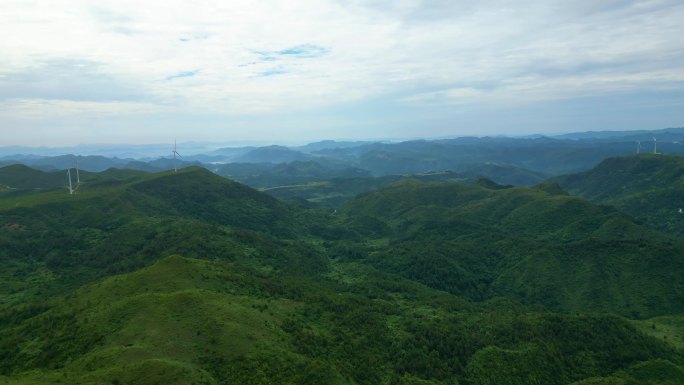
429,51
48,109
449,96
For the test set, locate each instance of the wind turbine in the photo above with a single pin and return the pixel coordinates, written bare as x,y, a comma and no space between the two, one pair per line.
655,145
174,156
638,146
78,177
71,189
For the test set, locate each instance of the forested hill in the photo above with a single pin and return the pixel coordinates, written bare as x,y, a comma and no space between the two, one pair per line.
649,187
533,244
191,278
21,177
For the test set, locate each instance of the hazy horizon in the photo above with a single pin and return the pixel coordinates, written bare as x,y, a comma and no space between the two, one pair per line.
198,147
276,71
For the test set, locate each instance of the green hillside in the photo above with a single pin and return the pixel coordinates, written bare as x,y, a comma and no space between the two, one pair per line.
647,186
19,176
337,191
120,226
190,278
530,244
184,321
334,192
504,174
265,175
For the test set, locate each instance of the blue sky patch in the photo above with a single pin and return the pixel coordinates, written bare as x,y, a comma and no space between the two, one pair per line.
303,51
273,72
184,74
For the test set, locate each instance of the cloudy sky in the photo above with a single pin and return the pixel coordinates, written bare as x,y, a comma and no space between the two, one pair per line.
144,71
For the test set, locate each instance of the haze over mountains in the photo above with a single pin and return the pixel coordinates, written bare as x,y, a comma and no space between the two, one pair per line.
231,153
300,171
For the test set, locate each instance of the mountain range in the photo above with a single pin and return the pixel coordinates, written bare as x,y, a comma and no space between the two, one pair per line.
420,278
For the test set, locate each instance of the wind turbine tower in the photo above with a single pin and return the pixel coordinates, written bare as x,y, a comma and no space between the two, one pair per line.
71,188
655,145
638,147
175,153
78,177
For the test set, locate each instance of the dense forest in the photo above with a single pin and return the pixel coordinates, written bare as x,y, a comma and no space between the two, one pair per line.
427,278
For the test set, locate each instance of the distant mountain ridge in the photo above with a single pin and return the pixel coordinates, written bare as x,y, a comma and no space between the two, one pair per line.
272,154
674,133
306,173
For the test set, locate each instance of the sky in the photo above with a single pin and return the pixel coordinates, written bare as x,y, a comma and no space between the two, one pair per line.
282,71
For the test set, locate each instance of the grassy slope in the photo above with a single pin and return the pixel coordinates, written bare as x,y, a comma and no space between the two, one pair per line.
670,329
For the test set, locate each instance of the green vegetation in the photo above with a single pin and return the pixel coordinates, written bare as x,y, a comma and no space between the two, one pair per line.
529,244
20,177
669,329
261,175
260,327
649,187
334,192
190,278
